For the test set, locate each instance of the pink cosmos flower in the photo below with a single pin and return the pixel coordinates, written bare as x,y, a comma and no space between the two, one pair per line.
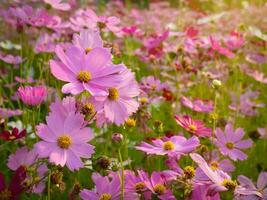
247,104
10,59
193,126
87,40
197,105
104,188
257,75
92,71
22,157
151,83
32,95
157,184
256,58
234,41
104,23
215,46
216,180
58,4
230,142
64,142
216,162
173,146
27,15
134,186
248,191
119,103
200,192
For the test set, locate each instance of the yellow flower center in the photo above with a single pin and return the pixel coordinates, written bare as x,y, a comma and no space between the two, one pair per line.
5,195
130,122
189,172
143,100
192,127
214,165
229,145
168,146
84,76
88,109
229,184
87,50
113,94
105,196
159,189
139,187
64,141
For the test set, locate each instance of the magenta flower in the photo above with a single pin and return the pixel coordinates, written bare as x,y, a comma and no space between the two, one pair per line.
248,190
216,180
119,103
104,188
216,47
200,192
193,126
58,4
173,146
32,96
92,71
157,184
87,40
64,142
134,186
197,105
22,157
230,142
234,41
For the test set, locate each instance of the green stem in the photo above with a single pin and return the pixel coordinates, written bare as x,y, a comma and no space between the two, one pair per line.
49,185
122,175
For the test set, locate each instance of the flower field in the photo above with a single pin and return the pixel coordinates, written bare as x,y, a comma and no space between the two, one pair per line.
133,100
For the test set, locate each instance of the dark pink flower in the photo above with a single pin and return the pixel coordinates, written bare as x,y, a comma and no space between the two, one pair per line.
32,95
193,126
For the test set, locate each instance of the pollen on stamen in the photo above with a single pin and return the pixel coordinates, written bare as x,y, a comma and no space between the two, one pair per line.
64,141
113,94
168,146
84,76
159,189
105,196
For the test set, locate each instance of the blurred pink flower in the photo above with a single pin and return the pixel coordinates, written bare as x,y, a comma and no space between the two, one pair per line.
22,157
32,96
58,4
